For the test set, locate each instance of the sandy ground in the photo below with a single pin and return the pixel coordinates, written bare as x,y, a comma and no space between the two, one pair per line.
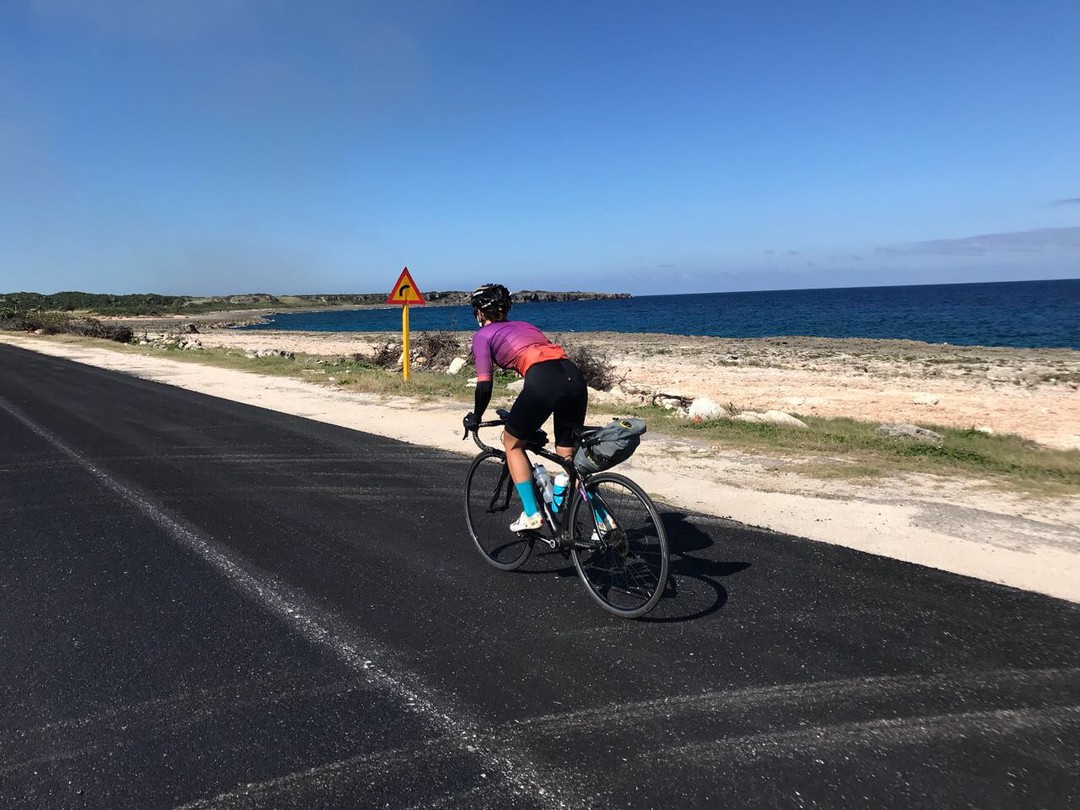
964,527
1005,390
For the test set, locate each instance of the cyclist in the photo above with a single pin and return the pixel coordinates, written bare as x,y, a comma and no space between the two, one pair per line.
553,386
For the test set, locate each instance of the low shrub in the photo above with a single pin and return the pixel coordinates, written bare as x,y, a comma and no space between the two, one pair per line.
596,367
10,322
91,327
57,323
437,348
440,348
386,355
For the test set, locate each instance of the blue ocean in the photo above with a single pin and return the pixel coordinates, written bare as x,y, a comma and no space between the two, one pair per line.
1036,314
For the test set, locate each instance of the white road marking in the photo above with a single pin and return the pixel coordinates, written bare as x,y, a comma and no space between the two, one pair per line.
321,627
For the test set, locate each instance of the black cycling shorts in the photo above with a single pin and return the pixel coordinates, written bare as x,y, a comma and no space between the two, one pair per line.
553,387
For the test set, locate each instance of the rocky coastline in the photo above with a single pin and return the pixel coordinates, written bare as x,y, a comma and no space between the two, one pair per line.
461,298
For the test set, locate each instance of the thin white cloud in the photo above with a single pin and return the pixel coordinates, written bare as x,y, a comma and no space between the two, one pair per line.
1042,239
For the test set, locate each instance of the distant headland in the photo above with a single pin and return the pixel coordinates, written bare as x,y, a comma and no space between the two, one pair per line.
523,296
153,304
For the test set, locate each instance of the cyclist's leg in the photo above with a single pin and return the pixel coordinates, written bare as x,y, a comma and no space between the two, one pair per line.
527,414
568,415
568,411
518,463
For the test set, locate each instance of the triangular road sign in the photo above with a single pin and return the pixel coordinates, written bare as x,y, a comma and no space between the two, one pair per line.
405,291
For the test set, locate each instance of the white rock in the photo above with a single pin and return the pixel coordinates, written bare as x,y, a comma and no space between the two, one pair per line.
989,431
781,418
925,399
704,408
598,396
456,365
912,432
515,386
748,416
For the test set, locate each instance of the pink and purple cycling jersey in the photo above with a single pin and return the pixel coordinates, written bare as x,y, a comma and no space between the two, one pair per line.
513,345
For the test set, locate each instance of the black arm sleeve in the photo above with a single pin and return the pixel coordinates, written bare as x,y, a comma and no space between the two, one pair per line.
483,397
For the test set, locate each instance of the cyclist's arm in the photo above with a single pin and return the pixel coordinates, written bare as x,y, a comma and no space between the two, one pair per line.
483,397
482,355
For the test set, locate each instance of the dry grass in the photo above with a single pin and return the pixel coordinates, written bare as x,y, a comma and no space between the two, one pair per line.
839,447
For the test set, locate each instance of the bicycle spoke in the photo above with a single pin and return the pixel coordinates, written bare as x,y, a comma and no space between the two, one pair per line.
621,553
489,510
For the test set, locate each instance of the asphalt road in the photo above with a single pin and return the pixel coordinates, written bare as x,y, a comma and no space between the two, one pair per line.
207,604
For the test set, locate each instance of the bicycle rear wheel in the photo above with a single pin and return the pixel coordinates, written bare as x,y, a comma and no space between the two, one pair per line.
490,508
620,547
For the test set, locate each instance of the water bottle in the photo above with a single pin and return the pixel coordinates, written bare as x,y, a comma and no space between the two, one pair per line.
543,481
558,492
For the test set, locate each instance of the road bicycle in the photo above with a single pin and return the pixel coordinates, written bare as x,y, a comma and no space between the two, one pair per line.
606,524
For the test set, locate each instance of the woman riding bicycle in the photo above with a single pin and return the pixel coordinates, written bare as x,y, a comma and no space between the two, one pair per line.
554,386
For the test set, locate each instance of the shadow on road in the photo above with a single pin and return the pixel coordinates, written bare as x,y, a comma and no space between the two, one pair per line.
694,589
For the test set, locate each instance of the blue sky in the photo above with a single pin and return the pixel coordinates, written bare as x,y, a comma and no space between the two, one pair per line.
225,146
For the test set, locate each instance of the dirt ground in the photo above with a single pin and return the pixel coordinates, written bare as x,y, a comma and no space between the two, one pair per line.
1034,393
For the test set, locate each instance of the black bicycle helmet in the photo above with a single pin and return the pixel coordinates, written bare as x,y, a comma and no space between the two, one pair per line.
493,300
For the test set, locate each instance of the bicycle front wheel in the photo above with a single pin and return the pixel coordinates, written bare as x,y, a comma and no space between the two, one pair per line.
620,548
490,508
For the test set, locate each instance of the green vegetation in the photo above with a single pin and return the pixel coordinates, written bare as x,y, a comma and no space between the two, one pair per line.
152,304
1062,377
58,323
845,447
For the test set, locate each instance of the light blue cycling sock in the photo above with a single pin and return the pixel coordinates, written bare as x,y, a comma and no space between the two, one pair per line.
601,513
528,498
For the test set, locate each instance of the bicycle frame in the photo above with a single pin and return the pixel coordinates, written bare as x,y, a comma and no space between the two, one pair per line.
624,569
556,522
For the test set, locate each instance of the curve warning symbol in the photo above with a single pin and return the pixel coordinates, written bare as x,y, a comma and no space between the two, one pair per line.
405,291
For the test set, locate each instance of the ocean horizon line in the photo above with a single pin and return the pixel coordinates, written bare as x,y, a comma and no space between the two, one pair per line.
1022,314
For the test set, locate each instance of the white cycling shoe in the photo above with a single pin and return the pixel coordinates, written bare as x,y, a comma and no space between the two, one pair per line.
527,523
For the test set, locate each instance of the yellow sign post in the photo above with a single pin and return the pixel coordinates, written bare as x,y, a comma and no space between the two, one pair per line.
405,293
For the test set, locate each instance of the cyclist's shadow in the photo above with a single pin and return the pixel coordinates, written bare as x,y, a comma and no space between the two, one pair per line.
693,588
